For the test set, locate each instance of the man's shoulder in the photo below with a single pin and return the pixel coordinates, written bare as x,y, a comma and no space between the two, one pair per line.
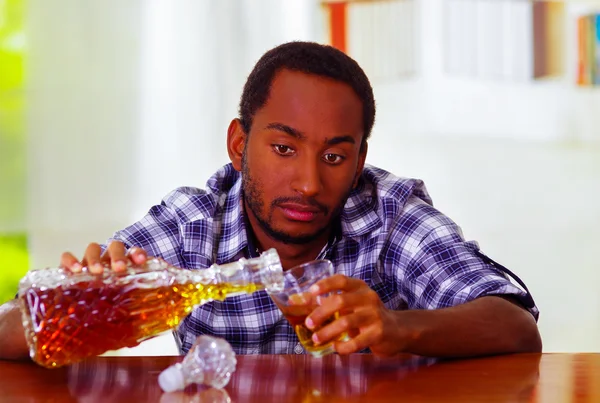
377,202
403,203
390,188
192,204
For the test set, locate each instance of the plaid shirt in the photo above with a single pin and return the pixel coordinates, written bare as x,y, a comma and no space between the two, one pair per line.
391,237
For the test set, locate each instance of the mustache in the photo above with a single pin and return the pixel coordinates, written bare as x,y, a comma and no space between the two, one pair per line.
298,200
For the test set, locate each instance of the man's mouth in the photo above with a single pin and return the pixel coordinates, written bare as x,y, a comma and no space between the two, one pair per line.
299,212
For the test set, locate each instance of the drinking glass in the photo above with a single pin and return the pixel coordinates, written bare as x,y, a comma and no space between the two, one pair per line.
296,302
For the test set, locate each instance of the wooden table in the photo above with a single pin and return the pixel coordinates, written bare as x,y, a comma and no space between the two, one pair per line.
285,378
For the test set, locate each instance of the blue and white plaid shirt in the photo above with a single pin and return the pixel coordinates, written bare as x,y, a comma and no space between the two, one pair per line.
392,237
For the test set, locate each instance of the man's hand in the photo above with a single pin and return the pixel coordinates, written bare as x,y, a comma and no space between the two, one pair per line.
362,316
12,334
114,254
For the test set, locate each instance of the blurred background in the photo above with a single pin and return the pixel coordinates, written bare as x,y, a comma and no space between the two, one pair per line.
106,106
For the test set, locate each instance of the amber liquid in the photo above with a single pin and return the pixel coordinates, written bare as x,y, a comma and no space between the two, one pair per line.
296,315
67,324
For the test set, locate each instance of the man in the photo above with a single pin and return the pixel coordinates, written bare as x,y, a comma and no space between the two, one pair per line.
297,182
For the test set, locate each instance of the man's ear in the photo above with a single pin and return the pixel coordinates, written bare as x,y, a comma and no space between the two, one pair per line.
236,142
362,156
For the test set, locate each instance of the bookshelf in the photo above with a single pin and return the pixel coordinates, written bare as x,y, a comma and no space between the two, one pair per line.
512,40
522,39
381,35
494,68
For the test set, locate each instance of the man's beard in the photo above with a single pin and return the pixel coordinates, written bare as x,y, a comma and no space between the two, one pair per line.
253,197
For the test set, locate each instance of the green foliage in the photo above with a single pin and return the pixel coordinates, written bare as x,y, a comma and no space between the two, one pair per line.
12,130
13,247
14,263
12,45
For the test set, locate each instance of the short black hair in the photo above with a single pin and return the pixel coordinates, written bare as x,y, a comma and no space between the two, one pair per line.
309,58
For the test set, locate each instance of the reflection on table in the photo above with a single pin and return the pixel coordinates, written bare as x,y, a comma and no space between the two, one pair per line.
334,378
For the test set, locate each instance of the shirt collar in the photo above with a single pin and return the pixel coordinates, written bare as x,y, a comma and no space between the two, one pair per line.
359,216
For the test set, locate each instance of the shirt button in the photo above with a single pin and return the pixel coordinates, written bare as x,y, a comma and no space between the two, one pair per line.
298,349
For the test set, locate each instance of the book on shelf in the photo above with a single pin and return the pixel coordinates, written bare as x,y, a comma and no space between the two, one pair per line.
588,49
515,40
541,48
380,35
583,65
596,40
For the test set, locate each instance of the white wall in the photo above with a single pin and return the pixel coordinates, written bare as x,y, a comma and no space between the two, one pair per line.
82,97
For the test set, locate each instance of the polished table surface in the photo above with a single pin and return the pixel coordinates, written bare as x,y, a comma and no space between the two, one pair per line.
285,378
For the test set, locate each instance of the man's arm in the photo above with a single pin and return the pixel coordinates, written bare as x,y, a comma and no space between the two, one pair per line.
13,345
485,326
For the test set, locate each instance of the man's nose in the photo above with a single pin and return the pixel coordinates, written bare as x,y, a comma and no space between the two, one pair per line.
307,178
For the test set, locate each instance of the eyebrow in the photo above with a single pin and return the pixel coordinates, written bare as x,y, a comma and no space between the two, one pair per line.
299,135
340,139
286,129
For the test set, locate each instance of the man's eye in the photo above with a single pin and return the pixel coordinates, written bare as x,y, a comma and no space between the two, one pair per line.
283,150
333,158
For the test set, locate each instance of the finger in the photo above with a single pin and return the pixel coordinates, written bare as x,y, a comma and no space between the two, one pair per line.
337,282
367,337
345,303
118,257
343,326
137,255
70,262
92,258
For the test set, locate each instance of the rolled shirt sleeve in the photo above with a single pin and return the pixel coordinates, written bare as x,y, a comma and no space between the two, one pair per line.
447,271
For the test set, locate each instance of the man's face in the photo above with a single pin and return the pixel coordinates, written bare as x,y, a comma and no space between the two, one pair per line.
302,156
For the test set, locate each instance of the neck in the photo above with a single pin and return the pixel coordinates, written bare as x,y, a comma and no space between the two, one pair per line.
290,254
293,255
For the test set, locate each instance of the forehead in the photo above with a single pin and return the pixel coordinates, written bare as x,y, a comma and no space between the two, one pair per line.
312,104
